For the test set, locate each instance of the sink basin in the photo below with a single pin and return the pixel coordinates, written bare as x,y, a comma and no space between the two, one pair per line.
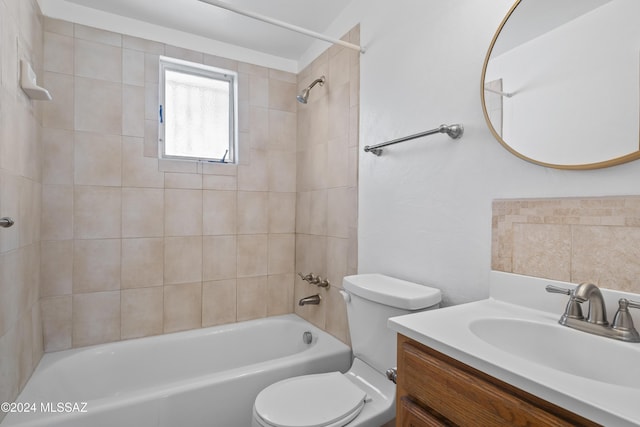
563,349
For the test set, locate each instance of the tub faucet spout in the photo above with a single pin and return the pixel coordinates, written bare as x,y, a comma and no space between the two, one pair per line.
313,299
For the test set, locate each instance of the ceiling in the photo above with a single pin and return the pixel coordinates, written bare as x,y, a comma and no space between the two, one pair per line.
202,19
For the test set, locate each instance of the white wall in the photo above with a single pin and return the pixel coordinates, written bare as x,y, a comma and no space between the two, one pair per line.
425,205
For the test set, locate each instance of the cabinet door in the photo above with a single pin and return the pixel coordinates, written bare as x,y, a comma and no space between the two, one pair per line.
468,397
413,415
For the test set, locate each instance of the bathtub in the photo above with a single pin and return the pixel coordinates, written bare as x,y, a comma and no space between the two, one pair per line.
206,377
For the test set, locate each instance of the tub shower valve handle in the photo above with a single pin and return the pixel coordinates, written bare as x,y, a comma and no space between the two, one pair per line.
6,222
314,280
573,309
307,278
323,283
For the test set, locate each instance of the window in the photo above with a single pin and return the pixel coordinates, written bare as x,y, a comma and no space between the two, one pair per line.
197,112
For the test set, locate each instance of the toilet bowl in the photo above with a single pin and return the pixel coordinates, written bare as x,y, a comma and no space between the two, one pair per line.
363,396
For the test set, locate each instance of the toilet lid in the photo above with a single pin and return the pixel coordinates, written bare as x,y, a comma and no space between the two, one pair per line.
310,401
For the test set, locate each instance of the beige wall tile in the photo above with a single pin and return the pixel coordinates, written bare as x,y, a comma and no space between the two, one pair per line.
96,318
58,53
253,208
282,171
137,170
182,259
254,176
282,130
219,257
59,112
542,250
182,212
57,159
97,35
252,255
133,110
142,212
280,294
98,106
252,298
607,256
218,302
56,322
182,307
132,67
13,287
96,265
282,248
98,159
97,212
337,323
143,45
142,262
338,212
185,181
59,27
185,54
219,212
282,95
57,212
142,312
282,212
97,61
56,268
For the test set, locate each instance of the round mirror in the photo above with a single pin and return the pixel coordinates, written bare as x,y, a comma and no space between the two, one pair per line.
561,82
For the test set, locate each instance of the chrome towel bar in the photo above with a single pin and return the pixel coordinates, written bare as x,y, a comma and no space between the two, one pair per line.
454,131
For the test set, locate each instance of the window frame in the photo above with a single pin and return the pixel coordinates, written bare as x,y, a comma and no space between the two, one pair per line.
201,70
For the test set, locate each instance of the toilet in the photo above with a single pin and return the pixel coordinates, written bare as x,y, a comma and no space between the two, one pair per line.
363,396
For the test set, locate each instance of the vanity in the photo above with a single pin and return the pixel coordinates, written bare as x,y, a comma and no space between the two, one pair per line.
507,361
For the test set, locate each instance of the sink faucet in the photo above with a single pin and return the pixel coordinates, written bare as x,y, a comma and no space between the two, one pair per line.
597,310
596,321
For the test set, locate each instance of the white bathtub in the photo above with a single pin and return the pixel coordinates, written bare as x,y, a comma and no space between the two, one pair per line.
206,377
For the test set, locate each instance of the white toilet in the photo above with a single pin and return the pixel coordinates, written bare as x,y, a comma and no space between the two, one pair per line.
362,396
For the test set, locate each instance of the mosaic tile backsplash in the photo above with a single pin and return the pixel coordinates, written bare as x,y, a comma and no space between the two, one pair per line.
594,239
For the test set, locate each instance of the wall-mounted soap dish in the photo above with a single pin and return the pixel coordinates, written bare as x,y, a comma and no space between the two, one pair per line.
28,83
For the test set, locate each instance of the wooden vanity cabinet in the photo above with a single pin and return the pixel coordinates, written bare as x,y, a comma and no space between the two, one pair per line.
435,390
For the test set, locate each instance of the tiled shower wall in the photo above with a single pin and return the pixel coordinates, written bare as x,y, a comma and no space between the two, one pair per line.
132,246
577,240
327,180
20,192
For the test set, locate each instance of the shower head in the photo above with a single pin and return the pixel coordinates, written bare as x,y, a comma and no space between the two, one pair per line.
304,95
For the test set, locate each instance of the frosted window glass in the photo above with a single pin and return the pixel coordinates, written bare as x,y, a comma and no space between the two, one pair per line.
196,116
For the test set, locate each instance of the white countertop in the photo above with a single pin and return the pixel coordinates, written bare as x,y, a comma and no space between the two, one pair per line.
523,298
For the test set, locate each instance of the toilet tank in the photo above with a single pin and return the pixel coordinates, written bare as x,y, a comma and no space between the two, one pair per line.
372,300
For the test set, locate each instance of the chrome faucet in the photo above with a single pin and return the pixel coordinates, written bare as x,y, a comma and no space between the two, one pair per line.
313,299
596,321
597,311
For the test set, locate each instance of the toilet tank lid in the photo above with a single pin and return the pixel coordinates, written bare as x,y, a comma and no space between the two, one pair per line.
391,291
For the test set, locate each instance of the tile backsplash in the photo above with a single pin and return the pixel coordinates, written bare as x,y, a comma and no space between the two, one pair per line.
594,239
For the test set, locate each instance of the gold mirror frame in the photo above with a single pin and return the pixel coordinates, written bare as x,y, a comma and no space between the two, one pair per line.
598,165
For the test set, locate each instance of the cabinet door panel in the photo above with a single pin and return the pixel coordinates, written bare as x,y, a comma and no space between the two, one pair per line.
468,397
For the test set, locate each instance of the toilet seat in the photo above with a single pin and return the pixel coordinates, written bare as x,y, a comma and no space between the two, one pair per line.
322,400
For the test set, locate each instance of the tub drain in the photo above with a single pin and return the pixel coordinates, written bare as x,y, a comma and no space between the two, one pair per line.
307,337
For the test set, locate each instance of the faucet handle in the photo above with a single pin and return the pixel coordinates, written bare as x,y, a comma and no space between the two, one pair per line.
558,290
622,319
573,309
